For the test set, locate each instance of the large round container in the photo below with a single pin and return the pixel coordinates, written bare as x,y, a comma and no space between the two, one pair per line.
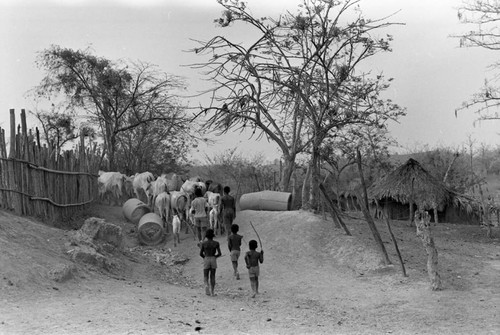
266,201
150,229
134,209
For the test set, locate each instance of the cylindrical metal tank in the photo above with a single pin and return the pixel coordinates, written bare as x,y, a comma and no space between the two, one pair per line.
134,209
266,201
150,229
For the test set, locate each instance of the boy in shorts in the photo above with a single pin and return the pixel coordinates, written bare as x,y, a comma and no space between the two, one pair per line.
252,260
234,245
198,210
209,251
228,210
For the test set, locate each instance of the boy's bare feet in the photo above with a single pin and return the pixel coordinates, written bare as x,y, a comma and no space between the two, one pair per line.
207,290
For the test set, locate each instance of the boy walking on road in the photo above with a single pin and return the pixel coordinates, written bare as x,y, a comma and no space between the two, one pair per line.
209,251
252,260
228,206
234,245
199,212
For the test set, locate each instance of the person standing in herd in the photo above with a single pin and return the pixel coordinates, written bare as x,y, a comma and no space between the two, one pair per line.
234,245
209,251
252,260
228,206
198,209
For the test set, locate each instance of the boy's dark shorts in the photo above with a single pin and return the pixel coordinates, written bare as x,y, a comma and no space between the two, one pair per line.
235,254
209,263
253,271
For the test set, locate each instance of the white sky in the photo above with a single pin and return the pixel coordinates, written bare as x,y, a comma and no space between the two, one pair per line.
432,75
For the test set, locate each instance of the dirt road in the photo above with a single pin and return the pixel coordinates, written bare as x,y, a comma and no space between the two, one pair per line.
314,280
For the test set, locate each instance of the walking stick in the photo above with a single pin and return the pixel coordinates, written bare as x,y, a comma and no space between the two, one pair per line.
260,242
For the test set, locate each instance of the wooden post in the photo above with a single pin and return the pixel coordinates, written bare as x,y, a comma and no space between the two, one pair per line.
3,169
363,202
334,212
12,149
387,222
436,219
410,201
23,173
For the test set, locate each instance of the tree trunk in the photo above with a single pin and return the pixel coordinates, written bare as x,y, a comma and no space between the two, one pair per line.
486,215
315,176
424,232
288,168
256,179
305,189
111,153
363,203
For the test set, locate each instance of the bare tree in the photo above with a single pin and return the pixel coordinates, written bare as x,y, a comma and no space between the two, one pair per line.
485,15
295,83
58,128
117,97
242,174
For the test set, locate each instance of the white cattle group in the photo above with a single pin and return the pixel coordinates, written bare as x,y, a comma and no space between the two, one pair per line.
114,187
169,197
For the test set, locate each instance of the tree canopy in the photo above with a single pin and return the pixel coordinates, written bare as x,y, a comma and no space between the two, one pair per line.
299,81
484,15
116,97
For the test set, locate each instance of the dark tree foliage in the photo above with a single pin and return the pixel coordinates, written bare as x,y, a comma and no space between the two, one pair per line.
57,128
115,97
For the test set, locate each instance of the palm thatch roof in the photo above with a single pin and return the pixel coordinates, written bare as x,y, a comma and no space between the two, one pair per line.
468,203
411,182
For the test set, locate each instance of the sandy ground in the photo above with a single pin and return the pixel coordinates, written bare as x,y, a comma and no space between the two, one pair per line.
314,280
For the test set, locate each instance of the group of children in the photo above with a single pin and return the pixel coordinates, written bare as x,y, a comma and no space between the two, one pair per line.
210,251
199,208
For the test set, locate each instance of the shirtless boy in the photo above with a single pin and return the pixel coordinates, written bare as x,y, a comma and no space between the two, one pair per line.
209,251
252,260
234,245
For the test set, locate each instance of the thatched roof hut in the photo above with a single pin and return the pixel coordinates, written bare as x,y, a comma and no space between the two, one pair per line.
411,183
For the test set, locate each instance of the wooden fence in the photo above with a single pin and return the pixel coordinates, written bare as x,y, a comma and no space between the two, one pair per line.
37,181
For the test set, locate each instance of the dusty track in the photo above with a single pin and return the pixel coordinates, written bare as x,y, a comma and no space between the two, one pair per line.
314,280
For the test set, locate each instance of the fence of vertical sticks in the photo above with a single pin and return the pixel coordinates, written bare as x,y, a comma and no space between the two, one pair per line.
37,181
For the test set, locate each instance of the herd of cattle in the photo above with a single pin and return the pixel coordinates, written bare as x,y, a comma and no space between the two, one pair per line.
169,197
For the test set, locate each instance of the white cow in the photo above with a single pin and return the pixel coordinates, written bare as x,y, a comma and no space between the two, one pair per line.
190,186
214,203
174,183
111,187
176,229
162,203
179,204
142,185
158,186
